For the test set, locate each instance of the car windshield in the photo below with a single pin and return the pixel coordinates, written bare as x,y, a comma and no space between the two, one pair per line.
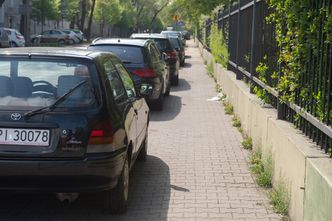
127,54
163,44
28,84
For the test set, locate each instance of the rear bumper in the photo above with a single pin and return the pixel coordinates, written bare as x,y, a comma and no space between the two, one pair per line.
94,173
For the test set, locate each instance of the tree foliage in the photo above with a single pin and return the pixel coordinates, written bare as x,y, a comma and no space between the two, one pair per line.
140,15
107,13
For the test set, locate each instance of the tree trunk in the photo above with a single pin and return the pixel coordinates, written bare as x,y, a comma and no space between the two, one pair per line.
137,18
83,15
102,26
90,19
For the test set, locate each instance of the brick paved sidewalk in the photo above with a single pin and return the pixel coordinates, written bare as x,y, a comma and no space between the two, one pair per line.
196,169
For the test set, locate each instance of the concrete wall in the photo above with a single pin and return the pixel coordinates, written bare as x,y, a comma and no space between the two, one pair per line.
298,162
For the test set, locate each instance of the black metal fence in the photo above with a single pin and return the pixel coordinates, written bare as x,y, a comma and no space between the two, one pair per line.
252,40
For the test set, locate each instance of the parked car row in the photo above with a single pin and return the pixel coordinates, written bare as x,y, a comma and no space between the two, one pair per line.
76,120
61,37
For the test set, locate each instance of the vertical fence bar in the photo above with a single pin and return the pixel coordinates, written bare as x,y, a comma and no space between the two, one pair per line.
281,107
238,75
253,43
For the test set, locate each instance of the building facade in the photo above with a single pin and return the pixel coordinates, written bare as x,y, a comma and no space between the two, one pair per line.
10,14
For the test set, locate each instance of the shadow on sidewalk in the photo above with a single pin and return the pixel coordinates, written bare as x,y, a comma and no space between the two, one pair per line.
183,86
172,108
148,200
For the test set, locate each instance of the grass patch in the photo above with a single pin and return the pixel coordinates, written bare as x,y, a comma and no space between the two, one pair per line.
264,178
279,198
236,122
262,170
247,143
218,88
228,108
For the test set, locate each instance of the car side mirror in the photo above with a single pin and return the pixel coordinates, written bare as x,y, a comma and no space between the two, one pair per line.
145,90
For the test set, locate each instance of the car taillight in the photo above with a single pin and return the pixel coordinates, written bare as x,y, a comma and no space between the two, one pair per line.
145,73
172,54
102,133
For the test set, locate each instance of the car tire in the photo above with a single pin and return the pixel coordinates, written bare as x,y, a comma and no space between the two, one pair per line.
168,89
61,42
144,149
71,42
118,196
159,103
175,80
13,44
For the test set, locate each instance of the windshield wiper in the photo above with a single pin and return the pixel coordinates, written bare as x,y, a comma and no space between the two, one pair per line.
56,102
127,62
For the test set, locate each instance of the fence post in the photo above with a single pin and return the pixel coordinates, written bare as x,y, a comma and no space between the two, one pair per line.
253,44
281,107
238,75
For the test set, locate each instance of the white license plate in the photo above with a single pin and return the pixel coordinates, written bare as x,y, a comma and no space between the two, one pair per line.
27,137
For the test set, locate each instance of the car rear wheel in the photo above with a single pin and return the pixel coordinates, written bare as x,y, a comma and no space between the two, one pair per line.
159,103
13,44
144,149
118,196
168,89
175,80
61,42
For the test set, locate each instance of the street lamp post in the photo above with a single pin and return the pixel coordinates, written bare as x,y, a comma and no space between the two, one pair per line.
27,22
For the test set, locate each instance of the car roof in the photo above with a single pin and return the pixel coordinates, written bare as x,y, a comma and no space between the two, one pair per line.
148,35
120,41
170,32
51,51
